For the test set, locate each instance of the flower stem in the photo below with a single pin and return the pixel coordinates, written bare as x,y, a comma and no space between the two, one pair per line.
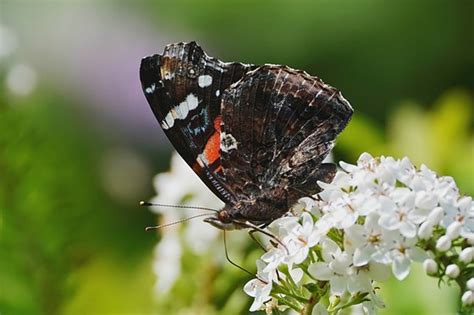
314,298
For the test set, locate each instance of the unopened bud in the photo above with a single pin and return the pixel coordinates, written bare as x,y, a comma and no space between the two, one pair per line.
436,215
467,255
452,271
443,243
468,298
453,230
334,299
425,231
470,239
470,284
430,266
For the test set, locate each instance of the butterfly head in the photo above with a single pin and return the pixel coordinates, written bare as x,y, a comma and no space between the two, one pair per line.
224,221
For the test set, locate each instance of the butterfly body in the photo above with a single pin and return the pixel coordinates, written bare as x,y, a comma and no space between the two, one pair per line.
255,135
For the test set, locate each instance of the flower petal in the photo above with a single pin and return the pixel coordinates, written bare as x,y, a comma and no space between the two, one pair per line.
320,271
401,267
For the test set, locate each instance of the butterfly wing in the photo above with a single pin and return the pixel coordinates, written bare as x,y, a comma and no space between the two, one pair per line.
278,124
184,88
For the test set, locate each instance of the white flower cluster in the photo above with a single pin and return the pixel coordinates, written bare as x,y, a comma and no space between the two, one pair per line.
379,215
180,186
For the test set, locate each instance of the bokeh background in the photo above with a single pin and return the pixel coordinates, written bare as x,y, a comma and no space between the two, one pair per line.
79,146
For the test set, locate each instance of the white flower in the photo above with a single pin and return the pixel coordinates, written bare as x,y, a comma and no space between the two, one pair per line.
259,288
275,256
430,266
369,241
180,186
398,212
379,214
335,267
361,278
403,252
452,271
461,211
167,264
305,236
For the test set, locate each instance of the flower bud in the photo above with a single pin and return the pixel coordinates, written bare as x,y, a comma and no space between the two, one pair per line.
435,216
443,243
468,298
470,284
334,299
430,266
453,230
452,271
467,255
425,231
470,239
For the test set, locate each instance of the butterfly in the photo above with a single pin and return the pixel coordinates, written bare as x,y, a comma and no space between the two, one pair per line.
255,135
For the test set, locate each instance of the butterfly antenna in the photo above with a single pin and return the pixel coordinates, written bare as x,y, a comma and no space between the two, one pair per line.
157,227
150,204
229,260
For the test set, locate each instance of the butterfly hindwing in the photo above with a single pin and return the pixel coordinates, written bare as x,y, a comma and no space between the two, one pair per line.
278,124
184,88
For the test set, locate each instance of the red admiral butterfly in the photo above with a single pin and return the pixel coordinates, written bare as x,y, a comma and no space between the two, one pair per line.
255,135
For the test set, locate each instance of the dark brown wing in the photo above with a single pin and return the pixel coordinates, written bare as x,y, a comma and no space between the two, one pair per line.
184,88
278,124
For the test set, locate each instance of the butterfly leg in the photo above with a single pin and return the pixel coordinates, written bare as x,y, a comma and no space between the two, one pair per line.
255,228
252,236
251,233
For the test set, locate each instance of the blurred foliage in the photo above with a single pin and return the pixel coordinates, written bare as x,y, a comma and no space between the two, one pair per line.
59,230
441,137
376,52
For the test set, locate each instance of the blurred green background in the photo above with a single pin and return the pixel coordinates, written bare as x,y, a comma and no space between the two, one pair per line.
79,145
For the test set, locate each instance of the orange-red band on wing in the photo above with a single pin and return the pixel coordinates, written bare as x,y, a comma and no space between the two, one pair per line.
212,149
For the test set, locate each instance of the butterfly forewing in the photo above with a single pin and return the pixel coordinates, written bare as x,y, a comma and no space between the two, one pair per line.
184,88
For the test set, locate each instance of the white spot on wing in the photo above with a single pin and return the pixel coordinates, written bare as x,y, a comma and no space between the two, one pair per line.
204,80
150,89
202,161
218,92
180,111
168,122
192,101
228,142
168,76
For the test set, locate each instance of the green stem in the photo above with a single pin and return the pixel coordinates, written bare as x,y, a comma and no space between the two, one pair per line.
287,302
314,298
